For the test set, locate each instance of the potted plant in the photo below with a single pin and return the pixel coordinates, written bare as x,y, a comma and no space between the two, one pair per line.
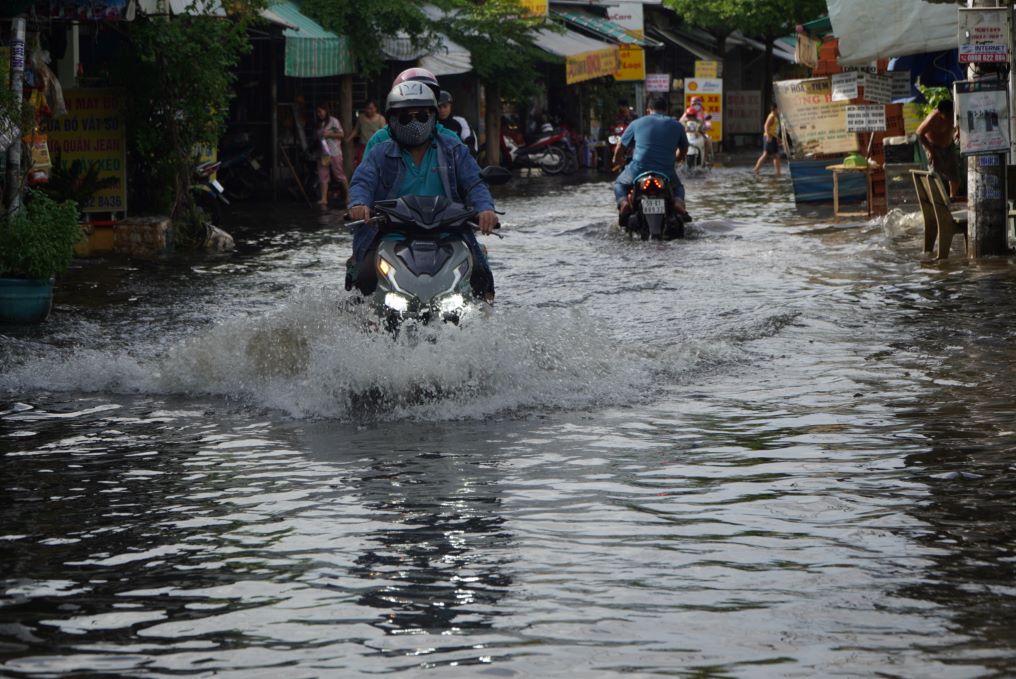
36,244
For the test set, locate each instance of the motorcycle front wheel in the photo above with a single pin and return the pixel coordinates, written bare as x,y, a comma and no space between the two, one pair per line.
553,161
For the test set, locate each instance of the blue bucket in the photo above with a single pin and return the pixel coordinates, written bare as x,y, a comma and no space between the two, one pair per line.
25,300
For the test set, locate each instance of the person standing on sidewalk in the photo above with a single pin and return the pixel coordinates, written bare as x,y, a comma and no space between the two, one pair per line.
329,132
770,141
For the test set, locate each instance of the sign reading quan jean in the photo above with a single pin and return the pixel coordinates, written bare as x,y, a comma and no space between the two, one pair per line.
92,132
589,65
814,122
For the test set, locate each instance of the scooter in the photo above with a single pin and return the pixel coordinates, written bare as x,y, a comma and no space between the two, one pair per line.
695,160
652,214
240,169
553,152
424,274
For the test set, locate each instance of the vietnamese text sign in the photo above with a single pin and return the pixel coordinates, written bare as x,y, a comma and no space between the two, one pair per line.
814,122
900,84
983,116
878,89
589,65
632,63
742,112
984,34
845,86
657,82
869,118
711,91
92,131
707,69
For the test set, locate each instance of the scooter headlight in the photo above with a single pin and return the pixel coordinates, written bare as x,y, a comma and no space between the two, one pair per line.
451,304
396,302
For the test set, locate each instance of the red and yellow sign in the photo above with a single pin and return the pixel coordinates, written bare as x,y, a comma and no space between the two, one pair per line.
711,91
633,63
589,65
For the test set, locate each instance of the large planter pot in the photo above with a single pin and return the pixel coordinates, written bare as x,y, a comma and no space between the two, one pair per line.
25,300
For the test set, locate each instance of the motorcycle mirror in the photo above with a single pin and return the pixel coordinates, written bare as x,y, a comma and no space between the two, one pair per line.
495,175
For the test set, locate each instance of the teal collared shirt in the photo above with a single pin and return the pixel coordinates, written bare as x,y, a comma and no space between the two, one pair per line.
423,179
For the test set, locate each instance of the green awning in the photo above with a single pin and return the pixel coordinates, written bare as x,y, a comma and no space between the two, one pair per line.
603,27
311,51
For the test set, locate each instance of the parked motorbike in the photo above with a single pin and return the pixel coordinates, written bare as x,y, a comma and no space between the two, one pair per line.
652,214
241,169
553,152
208,192
425,274
695,160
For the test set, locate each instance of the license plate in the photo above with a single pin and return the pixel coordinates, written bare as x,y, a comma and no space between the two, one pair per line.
653,206
218,186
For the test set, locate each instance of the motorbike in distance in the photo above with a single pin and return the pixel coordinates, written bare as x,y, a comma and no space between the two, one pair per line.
553,152
209,194
651,211
425,271
695,160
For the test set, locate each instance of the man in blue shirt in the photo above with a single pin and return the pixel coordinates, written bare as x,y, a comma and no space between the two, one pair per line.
660,142
417,160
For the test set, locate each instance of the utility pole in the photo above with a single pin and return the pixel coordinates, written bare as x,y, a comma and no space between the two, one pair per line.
987,216
17,78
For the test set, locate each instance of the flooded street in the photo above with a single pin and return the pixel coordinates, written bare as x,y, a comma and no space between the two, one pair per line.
781,447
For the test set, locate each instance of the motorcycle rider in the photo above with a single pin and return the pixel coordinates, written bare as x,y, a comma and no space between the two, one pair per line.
420,75
697,111
456,124
659,140
417,160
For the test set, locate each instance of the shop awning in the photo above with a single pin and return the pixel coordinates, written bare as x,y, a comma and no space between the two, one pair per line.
600,26
685,43
584,57
447,57
311,51
891,28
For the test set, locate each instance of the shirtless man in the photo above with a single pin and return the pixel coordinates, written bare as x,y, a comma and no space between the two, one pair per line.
937,134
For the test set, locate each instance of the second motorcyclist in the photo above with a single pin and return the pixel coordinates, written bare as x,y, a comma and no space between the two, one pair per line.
417,160
659,141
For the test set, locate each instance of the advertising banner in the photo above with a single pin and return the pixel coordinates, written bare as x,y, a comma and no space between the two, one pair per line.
707,69
711,91
92,132
984,34
983,113
742,112
589,65
814,122
534,8
633,63
657,82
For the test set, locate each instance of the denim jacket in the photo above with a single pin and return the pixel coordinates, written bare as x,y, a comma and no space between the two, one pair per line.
380,174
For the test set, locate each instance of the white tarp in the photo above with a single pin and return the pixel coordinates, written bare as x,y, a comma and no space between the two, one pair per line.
446,57
870,30
567,44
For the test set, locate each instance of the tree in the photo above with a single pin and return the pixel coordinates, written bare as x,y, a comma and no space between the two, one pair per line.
180,71
499,37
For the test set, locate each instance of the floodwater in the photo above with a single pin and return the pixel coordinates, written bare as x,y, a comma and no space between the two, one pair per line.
781,447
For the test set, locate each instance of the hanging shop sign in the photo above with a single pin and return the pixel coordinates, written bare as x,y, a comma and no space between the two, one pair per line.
711,91
534,8
867,118
806,50
814,122
92,131
983,112
657,82
900,84
707,69
878,89
633,63
589,65
984,34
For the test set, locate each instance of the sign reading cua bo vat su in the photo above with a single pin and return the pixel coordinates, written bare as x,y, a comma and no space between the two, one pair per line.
984,34
92,133
870,118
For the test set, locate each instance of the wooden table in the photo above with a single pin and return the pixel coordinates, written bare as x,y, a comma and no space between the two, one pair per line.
869,207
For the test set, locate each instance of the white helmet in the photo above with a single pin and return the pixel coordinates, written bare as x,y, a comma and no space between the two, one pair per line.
406,129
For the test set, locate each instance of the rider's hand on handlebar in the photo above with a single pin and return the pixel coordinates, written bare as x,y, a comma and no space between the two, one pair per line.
359,213
486,220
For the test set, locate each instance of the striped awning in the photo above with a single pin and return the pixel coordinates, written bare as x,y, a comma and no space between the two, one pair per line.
603,27
311,51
